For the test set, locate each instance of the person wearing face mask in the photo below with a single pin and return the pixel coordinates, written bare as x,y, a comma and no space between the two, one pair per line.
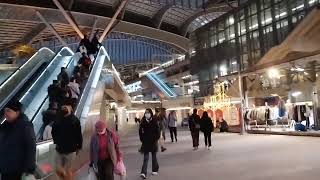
149,132
17,144
66,134
104,151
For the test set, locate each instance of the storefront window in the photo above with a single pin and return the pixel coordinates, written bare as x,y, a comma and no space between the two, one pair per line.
280,10
253,22
266,17
298,5
265,4
252,9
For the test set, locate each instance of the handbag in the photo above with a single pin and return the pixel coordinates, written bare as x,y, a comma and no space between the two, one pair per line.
92,175
120,169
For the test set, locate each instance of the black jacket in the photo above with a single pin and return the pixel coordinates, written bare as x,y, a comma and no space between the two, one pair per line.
206,125
194,120
63,77
67,135
17,146
149,133
55,93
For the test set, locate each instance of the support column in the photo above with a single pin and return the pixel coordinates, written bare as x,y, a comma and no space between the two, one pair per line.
68,18
242,103
315,96
51,28
107,29
93,28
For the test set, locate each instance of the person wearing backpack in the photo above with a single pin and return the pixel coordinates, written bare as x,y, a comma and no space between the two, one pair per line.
194,126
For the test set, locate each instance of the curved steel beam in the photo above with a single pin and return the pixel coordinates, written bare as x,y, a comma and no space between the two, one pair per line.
27,14
158,17
210,9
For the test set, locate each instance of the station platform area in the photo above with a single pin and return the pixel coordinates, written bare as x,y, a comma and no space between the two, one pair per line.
246,157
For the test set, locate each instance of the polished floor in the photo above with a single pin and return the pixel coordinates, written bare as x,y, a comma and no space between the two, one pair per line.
247,157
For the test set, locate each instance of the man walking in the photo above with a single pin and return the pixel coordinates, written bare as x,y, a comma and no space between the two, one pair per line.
194,126
66,134
17,144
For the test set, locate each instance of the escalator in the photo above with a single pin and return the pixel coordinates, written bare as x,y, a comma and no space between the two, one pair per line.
36,95
163,87
46,148
16,83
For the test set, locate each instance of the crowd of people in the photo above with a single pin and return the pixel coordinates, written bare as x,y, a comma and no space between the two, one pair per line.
17,136
152,134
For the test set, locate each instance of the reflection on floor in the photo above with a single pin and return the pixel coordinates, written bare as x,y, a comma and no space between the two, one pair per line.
248,157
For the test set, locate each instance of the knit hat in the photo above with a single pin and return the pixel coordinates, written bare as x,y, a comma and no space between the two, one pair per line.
100,126
14,105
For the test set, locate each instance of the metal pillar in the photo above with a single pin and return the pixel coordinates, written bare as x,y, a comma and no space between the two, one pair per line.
107,29
93,28
242,102
51,28
68,18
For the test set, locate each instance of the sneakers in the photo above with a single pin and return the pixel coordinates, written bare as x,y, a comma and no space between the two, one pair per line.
154,173
163,149
209,147
143,176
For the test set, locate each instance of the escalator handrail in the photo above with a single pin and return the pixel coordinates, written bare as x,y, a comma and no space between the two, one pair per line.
18,69
45,99
48,66
86,89
163,84
18,86
77,108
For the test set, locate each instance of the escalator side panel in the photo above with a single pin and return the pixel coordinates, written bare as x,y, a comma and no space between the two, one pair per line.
11,86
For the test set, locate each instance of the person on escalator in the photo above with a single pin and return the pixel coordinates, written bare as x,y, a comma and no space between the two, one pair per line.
84,63
86,42
82,48
63,77
49,116
95,43
66,134
17,144
75,91
55,92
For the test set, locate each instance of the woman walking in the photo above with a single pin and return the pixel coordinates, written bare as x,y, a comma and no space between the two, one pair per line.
104,151
149,133
206,127
172,123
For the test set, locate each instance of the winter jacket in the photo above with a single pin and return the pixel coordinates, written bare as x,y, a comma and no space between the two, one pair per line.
17,146
149,133
66,134
63,77
49,116
206,125
172,121
194,121
112,148
75,90
55,93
